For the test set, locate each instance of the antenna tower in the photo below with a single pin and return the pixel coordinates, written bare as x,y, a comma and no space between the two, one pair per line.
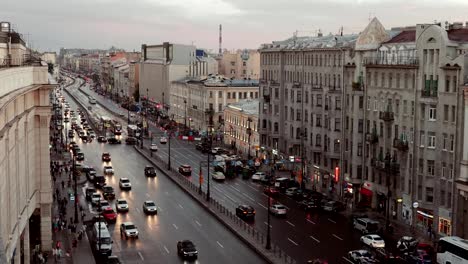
220,39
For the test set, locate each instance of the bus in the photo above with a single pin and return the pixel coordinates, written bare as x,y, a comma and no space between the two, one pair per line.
116,127
133,131
105,121
452,250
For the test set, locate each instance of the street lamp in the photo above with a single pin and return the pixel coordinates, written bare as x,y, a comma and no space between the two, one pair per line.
169,144
185,115
209,112
249,132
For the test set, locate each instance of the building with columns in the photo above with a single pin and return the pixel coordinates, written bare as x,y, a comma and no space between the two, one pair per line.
25,181
379,116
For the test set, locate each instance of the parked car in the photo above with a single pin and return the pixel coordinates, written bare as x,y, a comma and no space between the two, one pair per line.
334,206
149,207
308,205
99,181
186,249
185,170
128,229
219,176
130,141
407,244
124,184
91,174
373,241
258,176
291,191
154,147
108,192
101,139
271,191
278,210
95,198
89,192
246,212
150,171
121,205
361,256
163,140
113,140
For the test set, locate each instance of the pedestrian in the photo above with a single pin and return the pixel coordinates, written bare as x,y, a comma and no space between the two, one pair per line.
63,184
83,214
429,230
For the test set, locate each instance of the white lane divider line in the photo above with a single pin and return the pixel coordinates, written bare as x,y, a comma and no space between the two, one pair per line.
292,241
264,207
246,195
220,244
267,224
318,241
167,250
310,221
181,206
141,256
255,189
230,198
338,237
198,223
333,221
235,188
175,226
349,261
291,224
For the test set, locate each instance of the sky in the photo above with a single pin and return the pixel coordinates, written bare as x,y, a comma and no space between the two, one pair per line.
49,25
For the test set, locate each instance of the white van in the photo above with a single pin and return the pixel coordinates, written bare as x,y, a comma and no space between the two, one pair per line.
102,239
366,225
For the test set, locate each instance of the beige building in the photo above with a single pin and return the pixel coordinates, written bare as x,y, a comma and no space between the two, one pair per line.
382,109
49,57
133,78
25,184
212,92
240,129
240,64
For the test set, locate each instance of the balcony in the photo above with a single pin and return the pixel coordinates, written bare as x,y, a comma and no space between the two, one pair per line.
372,138
400,144
274,83
357,86
386,116
296,85
266,98
386,165
392,60
429,93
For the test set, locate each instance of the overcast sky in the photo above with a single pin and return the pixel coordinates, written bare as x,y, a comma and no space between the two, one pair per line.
51,24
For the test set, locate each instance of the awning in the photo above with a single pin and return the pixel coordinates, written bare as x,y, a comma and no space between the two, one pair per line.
366,192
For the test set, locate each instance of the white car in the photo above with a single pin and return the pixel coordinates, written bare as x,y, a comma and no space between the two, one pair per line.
153,147
291,191
124,183
104,204
258,176
163,140
108,170
121,205
278,209
128,229
361,256
373,241
149,207
215,150
219,176
95,198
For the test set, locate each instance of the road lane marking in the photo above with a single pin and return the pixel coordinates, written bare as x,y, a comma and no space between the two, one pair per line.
198,223
175,226
318,241
264,195
147,195
234,188
181,206
167,250
141,256
292,241
331,220
267,224
231,198
246,195
236,184
255,189
220,244
310,221
137,209
262,206
347,260
216,188
291,224
338,237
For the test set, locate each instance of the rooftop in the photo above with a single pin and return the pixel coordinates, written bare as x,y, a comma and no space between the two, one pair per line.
248,106
219,81
403,37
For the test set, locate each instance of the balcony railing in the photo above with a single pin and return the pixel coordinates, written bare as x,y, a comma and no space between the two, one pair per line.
429,93
372,138
400,144
25,60
386,116
386,165
392,60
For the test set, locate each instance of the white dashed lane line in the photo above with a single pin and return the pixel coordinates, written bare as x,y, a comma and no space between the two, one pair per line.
291,224
219,244
175,226
292,241
316,240
338,237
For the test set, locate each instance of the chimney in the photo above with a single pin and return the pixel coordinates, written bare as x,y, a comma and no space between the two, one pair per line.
319,34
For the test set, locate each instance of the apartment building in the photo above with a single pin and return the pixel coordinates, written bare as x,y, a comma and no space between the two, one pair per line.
240,64
377,114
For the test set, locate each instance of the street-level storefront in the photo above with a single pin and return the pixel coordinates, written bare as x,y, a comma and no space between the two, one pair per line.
424,218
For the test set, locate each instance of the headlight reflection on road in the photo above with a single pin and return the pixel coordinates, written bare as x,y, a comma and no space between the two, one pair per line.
152,221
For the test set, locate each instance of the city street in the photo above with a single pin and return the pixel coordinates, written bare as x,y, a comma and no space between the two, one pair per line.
302,235
178,216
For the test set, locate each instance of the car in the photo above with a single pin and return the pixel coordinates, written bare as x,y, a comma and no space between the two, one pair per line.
108,192
108,170
99,181
128,229
91,174
113,260
407,244
130,141
149,207
113,140
219,176
154,147
89,192
245,212
109,214
258,176
103,204
150,171
185,170
95,198
124,184
106,157
418,256
361,256
266,179
80,156
278,209
373,241
291,191
215,151
333,206
308,205
186,249
385,256
121,205
271,191
101,139
163,140
199,146
87,168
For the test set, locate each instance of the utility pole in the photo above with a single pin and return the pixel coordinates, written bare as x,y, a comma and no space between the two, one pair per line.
75,176
209,112
185,115
249,132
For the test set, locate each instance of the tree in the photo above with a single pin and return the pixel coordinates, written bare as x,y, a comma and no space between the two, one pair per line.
95,78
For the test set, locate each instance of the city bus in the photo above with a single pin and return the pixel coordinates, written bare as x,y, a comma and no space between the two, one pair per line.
105,121
452,250
133,131
116,127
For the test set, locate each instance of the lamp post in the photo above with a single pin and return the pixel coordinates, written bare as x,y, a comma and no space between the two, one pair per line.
185,115
169,144
268,239
209,112
146,112
249,132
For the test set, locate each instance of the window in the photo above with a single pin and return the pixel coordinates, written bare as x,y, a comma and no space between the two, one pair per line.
244,63
318,140
240,95
220,107
359,149
452,142
431,140
421,139
405,107
318,122
234,95
233,63
368,103
275,127
375,105
450,175
446,112
445,142
360,125
211,94
306,116
429,194
245,95
338,102
256,95
251,95
211,106
361,102
298,115
453,113
337,124
306,97
319,100
423,111
229,95
447,83
444,170
430,168
421,166
432,113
